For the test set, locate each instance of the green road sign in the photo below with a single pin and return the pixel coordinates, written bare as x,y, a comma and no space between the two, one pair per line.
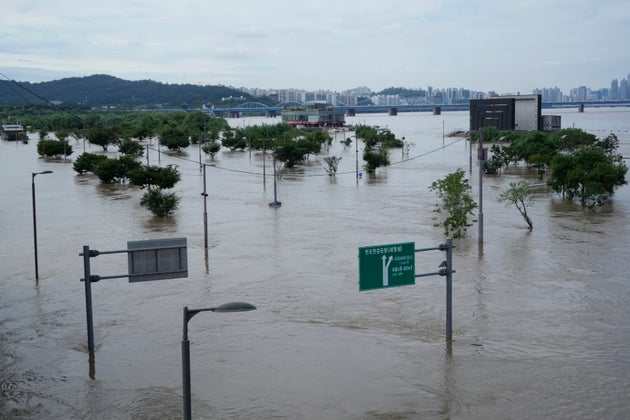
384,266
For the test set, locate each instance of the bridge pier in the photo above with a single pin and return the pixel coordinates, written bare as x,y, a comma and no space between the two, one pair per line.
393,112
235,114
351,112
581,108
437,110
272,114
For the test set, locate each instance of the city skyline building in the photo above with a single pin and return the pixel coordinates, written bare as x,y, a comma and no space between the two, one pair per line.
618,90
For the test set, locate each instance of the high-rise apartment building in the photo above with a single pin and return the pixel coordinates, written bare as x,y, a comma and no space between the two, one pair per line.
623,89
614,89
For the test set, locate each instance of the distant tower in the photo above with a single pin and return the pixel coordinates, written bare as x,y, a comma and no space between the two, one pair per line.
582,93
623,89
614,89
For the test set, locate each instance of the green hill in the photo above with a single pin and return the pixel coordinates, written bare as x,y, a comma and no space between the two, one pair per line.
108,91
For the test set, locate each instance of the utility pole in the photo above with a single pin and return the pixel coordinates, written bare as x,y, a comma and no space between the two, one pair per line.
482,159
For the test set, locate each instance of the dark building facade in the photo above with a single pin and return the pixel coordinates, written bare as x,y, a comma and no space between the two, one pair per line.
520,112
496,112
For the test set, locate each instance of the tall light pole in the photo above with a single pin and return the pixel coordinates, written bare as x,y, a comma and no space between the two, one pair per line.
482,160
275,202
264,164
35,220
356,151
188,314
205,210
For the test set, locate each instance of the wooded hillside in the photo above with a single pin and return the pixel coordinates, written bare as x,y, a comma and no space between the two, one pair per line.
103,90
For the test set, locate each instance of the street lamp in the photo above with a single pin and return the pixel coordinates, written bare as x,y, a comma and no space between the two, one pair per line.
35,220
188,314
356,150
275,202
205,210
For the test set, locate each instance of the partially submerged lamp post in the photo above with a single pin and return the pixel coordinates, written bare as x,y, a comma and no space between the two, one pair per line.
188,314
275,202
34,174
356,151
264,164
205,210
482,160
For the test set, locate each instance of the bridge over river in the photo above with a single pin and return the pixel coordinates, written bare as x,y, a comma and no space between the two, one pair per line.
257,108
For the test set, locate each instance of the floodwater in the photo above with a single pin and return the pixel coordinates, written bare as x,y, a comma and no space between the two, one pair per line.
540,319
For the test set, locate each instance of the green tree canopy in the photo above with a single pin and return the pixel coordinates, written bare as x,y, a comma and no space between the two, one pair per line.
589,175
86,162
212,147
174,138
54,148
374,137
292,152
130,147
102,136
454,191
115,170
519,194
375,158
147,176
160,203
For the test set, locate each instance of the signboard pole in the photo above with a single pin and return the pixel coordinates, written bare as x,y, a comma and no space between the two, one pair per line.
392,265
88,307
148,260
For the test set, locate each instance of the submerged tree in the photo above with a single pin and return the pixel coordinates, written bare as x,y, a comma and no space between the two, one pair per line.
102,137
331,163
212,147
130,147
457,203
112,171
160,203
148,176
174,138
589,175
157,179
292,151
375,158
86,162
54,148
519,195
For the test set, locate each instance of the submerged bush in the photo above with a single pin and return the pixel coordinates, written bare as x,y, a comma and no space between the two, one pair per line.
160,203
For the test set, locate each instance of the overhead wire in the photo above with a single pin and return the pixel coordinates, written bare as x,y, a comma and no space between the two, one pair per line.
9,82
393,165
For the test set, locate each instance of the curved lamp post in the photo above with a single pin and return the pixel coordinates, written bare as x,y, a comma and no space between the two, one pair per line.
34,174
188,314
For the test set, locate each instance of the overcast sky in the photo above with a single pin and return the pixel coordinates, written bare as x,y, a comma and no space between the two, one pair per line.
502,45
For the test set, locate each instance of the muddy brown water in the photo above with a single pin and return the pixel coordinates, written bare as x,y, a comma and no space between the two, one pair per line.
541,318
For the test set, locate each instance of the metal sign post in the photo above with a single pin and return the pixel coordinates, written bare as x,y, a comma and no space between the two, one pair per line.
393,265
148,260
88,307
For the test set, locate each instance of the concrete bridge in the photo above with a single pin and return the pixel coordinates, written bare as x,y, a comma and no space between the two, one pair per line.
257,108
